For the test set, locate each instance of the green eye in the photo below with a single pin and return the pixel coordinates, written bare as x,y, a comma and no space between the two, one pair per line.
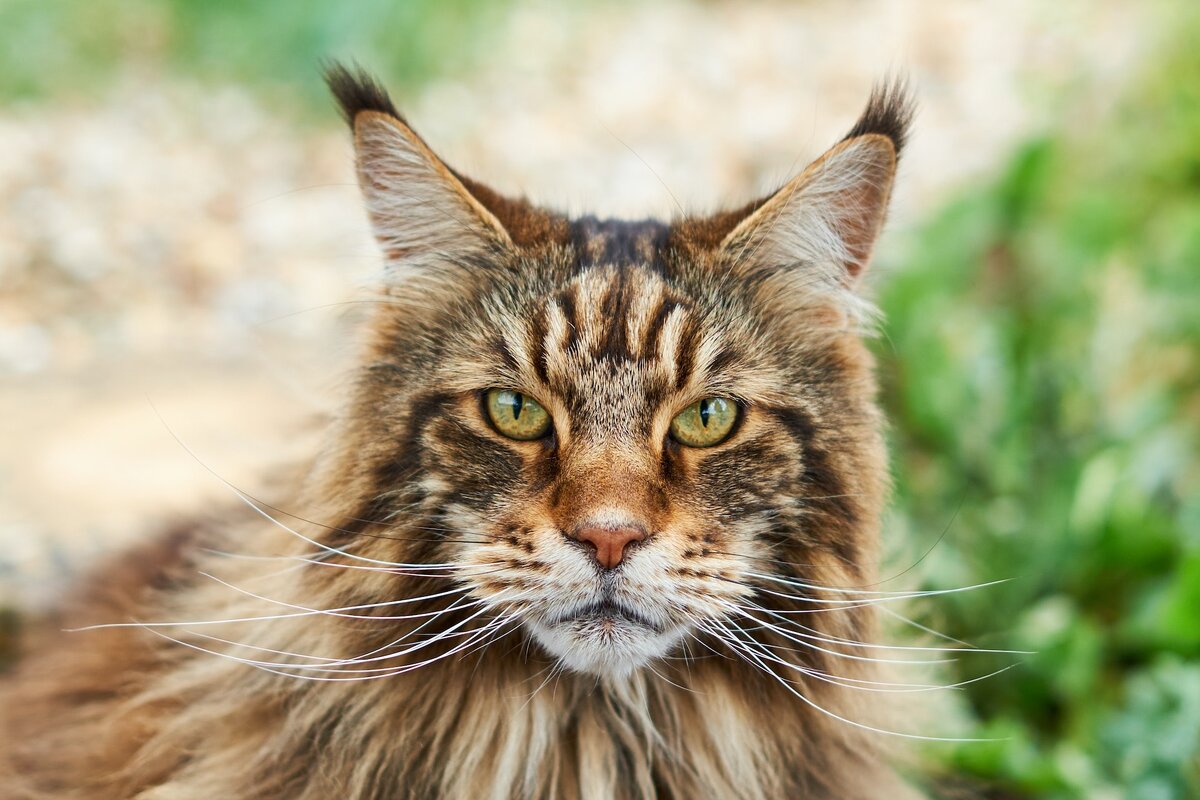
705,423
516,415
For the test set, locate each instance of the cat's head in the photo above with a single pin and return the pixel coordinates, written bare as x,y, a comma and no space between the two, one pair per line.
620,434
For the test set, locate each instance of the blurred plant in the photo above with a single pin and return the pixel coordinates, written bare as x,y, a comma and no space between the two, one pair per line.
76,46
1046,376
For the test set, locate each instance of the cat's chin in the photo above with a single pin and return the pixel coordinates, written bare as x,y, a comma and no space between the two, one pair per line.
611,646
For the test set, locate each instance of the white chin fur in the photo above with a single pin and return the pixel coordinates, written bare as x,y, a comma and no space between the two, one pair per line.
604,648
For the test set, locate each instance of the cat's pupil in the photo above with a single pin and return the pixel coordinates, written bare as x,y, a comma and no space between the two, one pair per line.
518,404
704,413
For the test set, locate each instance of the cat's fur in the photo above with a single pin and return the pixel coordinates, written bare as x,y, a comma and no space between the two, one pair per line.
614,327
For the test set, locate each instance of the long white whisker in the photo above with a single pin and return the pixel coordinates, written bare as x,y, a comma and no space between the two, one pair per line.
328,667
862,684
338,611
815,706
818,636
263,618
919,626
457,604
807,641
282,669
398,568
838,590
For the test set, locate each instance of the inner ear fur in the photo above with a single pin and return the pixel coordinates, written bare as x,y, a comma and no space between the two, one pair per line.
418,204
825,221
826,218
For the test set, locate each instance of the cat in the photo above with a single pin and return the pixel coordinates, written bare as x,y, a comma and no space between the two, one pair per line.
599,519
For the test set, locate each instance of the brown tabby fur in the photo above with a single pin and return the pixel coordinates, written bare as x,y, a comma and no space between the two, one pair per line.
614,327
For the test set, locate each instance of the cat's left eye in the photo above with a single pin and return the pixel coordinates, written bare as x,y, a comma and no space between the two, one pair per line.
516,415
705,422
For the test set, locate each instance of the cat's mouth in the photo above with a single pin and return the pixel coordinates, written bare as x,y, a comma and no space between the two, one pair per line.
608,633
607,613
606,636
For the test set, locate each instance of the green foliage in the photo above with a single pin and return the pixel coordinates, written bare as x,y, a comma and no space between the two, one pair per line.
66,47
1043,373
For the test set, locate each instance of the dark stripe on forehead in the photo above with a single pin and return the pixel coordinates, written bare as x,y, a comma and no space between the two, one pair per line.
685,361
503,353
567,301
536,345
723,360
655,239
618,243
615,307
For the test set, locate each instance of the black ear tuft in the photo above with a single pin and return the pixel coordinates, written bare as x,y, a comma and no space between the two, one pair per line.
889,112
357,91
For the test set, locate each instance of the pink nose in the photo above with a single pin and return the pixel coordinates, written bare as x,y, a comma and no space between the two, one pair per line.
610,543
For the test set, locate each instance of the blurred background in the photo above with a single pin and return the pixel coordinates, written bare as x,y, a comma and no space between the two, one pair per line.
181,246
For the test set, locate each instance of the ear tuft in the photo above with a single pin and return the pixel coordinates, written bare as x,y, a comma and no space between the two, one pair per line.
889,113
357,91
817,233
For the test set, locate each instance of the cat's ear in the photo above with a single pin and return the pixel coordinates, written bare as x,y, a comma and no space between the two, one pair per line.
822,225
421,211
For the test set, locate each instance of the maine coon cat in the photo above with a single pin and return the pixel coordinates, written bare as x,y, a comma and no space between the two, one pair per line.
598,519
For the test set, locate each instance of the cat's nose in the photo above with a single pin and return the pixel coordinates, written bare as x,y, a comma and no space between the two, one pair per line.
609,541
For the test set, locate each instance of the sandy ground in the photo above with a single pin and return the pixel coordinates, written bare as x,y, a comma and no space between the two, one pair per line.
176,261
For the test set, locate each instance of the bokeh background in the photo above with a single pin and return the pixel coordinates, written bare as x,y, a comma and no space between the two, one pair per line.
181,247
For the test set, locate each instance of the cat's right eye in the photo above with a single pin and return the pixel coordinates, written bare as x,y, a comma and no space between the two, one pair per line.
516,415
705,423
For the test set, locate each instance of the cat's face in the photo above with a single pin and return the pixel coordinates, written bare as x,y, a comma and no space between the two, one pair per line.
609,533
619,433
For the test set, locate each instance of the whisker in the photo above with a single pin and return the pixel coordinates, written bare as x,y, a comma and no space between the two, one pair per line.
961,500
817,635
338,611
862,684
345,666
919,626
308,612
787,685
807,641
278,667
435,568
456,605
374,676
833,605
903,595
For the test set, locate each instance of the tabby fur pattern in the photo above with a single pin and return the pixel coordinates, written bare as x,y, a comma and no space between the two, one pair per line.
414,618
